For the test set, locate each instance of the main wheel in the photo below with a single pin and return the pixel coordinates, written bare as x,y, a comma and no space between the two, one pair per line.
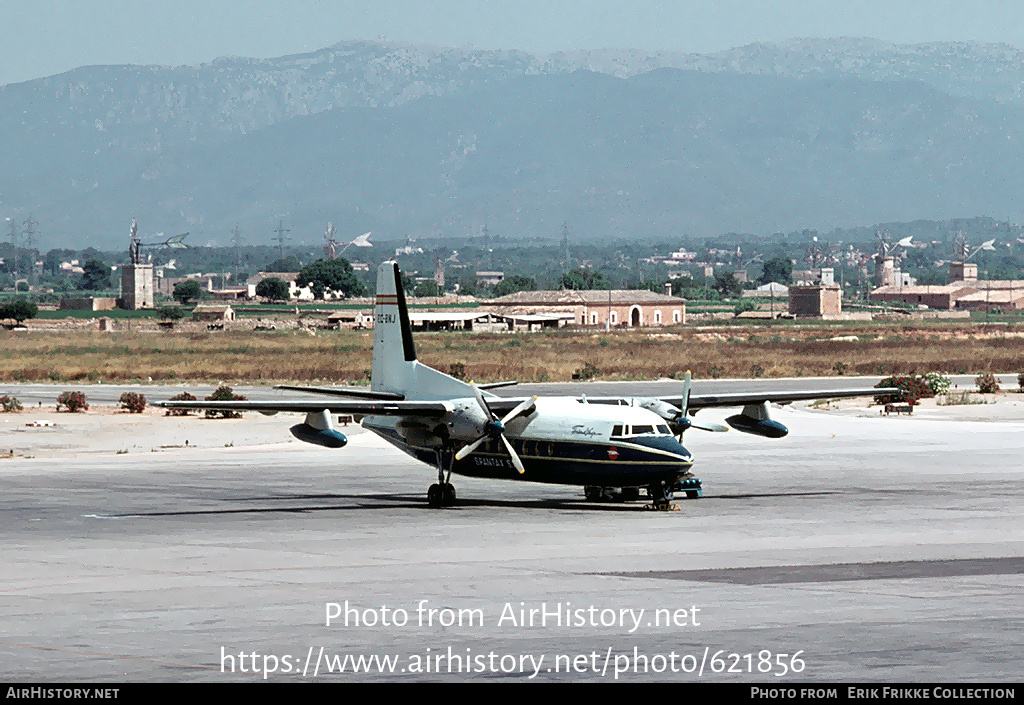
435,496
448,494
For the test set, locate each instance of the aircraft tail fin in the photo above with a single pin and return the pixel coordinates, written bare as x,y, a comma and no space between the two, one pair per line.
395,367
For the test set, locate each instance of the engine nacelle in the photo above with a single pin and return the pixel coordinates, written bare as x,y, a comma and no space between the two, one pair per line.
661,408
755,419
466,421
319,430
329,438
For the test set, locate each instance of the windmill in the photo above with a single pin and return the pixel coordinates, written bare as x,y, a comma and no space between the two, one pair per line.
960,269
135,244
360,241
331,248
821,254
885,259
962,247
439,265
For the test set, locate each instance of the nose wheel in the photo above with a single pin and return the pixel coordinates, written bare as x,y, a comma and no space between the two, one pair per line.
661,498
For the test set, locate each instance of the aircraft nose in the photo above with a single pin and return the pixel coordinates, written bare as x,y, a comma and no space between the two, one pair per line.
684,454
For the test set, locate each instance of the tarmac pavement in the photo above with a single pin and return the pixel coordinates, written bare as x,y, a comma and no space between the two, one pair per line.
860,547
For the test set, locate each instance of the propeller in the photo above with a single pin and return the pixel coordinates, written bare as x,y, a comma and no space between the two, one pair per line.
684,422
495,427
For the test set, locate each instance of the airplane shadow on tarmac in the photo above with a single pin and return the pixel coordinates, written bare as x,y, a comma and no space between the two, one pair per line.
407,501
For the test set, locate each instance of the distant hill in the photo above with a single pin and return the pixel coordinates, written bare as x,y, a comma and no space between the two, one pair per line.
421,141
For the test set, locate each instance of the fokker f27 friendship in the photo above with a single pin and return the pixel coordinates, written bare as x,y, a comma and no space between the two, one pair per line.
611,446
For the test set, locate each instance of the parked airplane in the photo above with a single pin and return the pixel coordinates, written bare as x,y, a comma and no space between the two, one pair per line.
610,446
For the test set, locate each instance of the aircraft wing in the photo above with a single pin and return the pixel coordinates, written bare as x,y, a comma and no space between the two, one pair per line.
364,408
705,401
360,393
363,393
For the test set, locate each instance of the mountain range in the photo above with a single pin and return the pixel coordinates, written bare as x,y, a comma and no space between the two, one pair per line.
421,141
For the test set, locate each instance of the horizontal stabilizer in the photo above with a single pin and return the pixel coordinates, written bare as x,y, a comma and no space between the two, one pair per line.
363,408
497,385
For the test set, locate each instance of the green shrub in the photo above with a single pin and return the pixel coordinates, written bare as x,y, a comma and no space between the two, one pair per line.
714,372
938,383
913,390
19,310
224,393
184,396
742,306
987,383
170,313
133,402
588,371
72,401
9,404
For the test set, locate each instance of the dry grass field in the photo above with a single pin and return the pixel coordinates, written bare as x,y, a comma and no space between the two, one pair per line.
344,356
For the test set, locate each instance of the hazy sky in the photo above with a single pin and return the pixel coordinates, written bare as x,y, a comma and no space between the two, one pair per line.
44,37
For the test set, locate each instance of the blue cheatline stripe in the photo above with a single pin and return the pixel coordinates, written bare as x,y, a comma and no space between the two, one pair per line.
571,451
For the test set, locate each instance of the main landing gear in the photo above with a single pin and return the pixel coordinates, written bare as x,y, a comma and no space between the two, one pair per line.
442,494
688,487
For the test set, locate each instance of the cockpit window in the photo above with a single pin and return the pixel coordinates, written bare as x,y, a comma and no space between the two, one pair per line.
620,430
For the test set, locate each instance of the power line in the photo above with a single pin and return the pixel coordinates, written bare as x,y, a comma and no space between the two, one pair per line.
14,246
238,240
29,239
281,230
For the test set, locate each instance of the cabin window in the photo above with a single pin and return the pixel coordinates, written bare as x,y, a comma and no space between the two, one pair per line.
617,430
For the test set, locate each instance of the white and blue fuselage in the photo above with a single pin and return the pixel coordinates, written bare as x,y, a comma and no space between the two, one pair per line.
563,441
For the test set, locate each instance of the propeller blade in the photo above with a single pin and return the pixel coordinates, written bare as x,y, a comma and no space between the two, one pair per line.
480,400
466,450
529,404
515,458
687,380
